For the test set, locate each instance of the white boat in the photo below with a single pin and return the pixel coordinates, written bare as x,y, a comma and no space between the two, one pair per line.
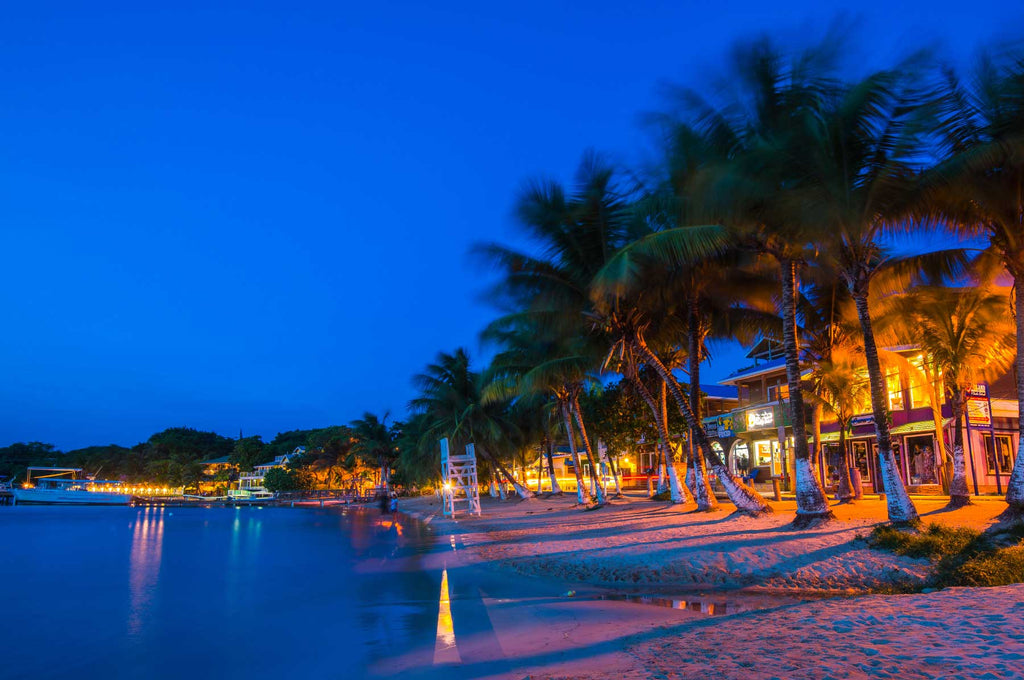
62,486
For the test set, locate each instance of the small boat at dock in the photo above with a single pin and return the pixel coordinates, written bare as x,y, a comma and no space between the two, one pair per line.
65,486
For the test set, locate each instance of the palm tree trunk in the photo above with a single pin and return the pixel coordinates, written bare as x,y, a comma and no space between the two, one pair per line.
940,432
613,465
556,489
662,470
746,499
678,491
521,490
702,491
846,491
1015,487
959,495
811,504
540,465
581,498
595,470
901,508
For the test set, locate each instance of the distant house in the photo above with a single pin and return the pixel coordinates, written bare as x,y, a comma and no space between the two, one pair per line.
213,480
251,483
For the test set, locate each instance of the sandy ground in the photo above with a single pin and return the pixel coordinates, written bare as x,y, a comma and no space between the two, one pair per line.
655,548
955,633
638,542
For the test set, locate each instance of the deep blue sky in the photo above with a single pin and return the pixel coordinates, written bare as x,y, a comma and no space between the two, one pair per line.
257,217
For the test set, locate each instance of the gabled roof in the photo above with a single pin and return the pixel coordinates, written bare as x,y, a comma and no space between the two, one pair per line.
223,460
754,371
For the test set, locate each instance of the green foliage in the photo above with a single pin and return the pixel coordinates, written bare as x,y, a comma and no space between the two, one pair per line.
16,457
935,542
285,479
963,556
248,453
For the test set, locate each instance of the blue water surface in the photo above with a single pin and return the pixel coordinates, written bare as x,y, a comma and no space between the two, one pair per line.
101,592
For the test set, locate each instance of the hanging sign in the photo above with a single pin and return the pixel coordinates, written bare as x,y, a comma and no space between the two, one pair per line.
725,428
711,427
858,421
761,418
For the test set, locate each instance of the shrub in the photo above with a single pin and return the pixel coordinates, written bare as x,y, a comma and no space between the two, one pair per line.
999,568
935,542
965,557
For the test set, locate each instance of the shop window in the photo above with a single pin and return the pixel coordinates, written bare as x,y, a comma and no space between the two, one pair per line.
921,458
1001,454
741,458
860,460
892,384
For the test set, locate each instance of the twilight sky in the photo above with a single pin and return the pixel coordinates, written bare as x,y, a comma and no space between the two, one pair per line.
257,216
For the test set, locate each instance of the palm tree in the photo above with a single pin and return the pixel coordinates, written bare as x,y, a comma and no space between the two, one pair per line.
577,233
451,396
968,336
838,384
374,443
979,187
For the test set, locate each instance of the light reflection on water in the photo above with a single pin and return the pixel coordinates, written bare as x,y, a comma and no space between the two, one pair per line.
144,563
169,592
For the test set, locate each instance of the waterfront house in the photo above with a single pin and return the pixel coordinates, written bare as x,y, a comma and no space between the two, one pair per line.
251,483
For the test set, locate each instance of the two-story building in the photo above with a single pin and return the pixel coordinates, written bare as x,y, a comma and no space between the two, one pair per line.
758,433
250,484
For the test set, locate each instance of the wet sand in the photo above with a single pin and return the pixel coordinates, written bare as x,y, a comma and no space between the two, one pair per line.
656,551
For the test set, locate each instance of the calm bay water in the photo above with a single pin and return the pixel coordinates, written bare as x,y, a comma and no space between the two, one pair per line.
217,592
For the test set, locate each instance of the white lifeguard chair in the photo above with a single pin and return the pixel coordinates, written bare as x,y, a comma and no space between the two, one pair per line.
460,483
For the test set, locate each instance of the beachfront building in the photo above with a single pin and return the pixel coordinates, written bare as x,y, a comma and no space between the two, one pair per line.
251,483
757,435
216,475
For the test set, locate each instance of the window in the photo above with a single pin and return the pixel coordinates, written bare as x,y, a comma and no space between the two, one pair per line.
892,383
920,392
1001,454
860,460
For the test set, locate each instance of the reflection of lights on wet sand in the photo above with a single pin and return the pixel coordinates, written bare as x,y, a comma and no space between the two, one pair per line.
445,649
388,524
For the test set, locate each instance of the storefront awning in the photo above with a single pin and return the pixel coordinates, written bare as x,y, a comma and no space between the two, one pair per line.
915,428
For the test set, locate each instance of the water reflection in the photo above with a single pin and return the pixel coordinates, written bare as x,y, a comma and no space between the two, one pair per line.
144,564
445,650
700,605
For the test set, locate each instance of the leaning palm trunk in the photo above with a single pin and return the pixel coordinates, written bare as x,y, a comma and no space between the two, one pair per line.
555,488
702,492
614,467
677,491
595,470
746,499
901,508
959,495
521,490
811,504
1015,487
581,498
